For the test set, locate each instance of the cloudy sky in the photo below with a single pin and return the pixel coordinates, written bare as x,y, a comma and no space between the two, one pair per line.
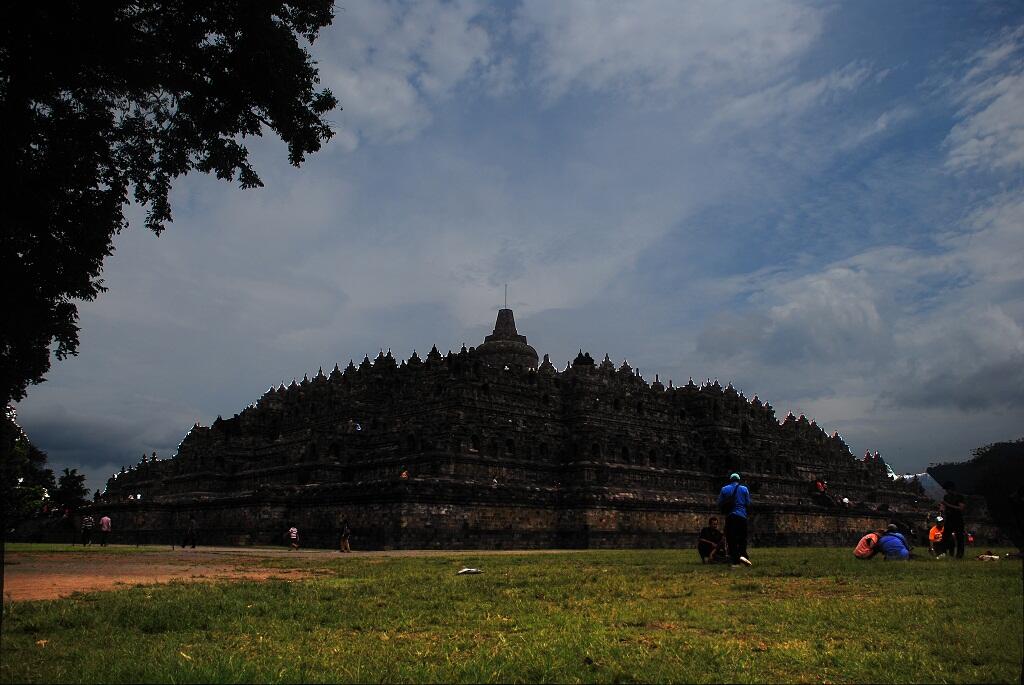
820,203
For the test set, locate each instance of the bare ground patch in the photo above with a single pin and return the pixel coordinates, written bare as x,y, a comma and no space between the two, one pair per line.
37,575
51,576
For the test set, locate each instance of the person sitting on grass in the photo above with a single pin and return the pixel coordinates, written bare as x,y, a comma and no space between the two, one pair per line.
893,545
711,543
868,545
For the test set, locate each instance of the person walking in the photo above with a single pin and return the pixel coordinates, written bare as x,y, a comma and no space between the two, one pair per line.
953,534
293,537
88,523
734,501
346,532
104,530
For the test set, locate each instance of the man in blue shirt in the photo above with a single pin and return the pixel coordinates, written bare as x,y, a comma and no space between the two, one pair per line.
733,501
893,545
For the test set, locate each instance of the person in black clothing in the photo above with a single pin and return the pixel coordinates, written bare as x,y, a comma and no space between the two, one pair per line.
953,535
346,532
190,534
711,543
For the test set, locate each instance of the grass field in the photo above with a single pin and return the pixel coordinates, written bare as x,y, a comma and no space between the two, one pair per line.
800,615
61,548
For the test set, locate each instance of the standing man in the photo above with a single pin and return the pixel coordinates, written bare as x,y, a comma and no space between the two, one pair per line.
88,523
104,530
953,535
293,537
733,501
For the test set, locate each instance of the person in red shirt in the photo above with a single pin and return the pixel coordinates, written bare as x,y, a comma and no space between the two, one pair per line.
868,545
935,543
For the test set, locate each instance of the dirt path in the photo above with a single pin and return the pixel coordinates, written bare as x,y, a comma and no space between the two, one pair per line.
32,575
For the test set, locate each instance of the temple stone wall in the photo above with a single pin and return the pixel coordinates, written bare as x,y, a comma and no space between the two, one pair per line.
493,448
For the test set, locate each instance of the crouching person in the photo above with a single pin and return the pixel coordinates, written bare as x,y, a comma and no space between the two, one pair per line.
868,545
893,545
935,544
711,544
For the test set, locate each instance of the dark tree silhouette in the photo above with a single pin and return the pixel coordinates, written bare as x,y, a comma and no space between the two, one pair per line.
71,490
103,101
996,472
26,484
25,481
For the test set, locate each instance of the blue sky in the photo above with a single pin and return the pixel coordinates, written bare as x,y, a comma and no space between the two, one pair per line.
821,203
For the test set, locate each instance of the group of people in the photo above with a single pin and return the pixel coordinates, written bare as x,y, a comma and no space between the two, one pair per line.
714,545
821,495
344,533
946,538
190,534
890,543
730,546
89,525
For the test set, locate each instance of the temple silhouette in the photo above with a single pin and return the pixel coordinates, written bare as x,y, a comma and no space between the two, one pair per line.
491,447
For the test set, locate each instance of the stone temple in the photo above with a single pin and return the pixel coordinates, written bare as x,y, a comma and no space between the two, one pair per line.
491,447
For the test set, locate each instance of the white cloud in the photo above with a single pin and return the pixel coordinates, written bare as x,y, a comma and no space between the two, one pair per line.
792,97
389,63
814,319
989,135
883,125
656,47
929,328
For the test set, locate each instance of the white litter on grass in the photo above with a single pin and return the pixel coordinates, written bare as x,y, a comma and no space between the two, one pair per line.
468,571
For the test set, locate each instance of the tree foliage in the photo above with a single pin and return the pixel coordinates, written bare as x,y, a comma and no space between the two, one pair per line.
996,472
101,102
71,491
25,481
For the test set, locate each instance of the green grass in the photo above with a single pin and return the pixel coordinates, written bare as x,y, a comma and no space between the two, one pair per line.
800,615
59,548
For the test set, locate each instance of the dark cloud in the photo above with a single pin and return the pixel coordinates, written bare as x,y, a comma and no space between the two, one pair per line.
977,387
94,440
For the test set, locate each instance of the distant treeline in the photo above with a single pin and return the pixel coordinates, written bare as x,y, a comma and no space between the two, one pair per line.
996,472
1004,457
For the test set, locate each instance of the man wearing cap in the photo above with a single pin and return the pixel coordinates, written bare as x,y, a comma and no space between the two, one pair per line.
893,545
733,501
